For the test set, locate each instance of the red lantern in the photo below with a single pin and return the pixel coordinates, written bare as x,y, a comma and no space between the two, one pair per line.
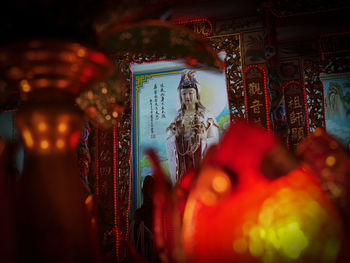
235,214
252,202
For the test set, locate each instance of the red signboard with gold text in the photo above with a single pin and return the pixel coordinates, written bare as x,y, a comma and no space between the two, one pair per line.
256,96
296,113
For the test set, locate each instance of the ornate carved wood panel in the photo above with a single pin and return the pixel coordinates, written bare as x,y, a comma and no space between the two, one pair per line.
233,66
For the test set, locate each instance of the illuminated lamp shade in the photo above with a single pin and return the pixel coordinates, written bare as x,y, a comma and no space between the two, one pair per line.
104,103
235,214
52,73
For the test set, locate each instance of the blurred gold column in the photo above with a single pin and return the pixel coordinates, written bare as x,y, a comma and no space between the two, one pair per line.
52,222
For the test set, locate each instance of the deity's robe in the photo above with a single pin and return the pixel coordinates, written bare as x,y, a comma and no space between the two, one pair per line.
185,150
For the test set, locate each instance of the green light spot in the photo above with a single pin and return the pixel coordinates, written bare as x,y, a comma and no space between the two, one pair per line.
292,239
262,233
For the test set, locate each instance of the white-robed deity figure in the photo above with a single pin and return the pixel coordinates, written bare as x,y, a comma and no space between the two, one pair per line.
192,131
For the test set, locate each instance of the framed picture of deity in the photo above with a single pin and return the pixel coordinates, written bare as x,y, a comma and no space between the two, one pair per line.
337,106
179,112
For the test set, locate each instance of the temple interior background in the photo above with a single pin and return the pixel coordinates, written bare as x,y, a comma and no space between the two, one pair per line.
276,189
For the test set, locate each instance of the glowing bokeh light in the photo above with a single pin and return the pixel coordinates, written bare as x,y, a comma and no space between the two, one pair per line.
62,127
28,139
25,86
42,126
220,183
44,144
115,114
60,144
292,239
81,52
330,161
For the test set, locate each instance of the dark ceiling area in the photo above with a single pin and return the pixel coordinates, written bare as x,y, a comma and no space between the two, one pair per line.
78,19
294,20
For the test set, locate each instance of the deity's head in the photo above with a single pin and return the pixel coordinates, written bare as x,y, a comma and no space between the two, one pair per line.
188,90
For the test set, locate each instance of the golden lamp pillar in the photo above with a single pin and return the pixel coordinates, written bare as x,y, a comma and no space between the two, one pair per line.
53,223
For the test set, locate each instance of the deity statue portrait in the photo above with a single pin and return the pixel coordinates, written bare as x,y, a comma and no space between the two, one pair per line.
192,131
